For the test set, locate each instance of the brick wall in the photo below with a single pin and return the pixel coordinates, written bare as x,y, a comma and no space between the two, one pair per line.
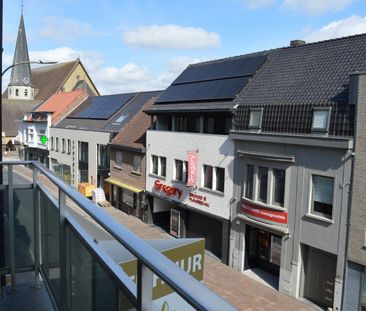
125,173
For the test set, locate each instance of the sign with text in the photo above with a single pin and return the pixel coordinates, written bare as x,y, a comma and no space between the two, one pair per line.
262,212
168,190
192,168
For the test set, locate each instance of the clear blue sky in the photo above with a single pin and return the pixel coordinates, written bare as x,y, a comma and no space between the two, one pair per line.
143,45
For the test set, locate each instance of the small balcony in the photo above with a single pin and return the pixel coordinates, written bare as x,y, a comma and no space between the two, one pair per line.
63,252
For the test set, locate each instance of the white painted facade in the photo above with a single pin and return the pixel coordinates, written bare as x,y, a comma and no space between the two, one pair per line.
21,92
30,132
71,157
214,150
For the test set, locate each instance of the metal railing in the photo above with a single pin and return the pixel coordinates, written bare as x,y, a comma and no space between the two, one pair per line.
60,236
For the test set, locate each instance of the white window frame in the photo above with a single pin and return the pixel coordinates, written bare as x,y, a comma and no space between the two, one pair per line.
214,178
259,125
159,159
270,186
184,170
321,109
317,215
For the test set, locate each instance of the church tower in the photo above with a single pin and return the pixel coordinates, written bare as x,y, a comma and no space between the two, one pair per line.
20,84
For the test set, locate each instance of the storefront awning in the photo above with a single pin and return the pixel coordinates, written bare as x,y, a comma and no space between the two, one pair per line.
262,225
122,185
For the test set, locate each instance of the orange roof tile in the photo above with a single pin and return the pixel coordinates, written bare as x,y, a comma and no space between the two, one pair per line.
61,104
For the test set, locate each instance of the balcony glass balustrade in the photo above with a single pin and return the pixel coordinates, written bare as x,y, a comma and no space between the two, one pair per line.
51,229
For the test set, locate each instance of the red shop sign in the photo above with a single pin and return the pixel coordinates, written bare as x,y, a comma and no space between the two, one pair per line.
168,190
260,212
192,168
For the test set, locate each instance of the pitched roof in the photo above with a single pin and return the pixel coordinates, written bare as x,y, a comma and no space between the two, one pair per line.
21,74
295,79
13,112
116,121
203,84
133,134
60,104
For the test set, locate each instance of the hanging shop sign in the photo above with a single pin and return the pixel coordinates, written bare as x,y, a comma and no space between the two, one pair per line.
192,168
168,190
264,213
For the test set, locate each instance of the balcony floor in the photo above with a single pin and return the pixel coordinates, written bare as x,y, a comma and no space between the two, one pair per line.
26,297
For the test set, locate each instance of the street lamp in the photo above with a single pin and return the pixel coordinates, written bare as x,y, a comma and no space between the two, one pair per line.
22,63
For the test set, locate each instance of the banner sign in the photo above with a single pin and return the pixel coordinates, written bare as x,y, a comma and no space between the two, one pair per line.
261,212
192,168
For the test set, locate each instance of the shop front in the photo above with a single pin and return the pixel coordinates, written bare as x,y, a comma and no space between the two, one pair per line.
128,199
263,233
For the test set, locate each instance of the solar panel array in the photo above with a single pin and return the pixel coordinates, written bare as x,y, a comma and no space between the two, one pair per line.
217,80
101,107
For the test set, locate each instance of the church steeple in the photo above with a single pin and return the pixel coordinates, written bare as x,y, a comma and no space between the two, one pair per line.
20,84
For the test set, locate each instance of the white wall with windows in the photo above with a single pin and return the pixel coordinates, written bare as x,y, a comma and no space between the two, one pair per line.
65,150
167,162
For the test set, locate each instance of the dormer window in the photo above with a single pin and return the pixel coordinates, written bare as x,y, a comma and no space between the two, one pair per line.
255,119
321,119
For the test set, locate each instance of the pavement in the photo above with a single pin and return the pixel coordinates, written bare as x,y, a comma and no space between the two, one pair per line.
238,289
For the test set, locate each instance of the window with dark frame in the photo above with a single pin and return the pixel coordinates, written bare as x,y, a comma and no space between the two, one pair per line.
136,164
63,147
249,182
262,183
155,164
279,186
119,159
322,196
220,179
69,146
207,173
162,166
181,172
56,147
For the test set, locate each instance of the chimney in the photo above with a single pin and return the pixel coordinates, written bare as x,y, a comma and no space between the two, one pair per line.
294,43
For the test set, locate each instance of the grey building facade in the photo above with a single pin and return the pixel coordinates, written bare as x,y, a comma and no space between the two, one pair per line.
295,139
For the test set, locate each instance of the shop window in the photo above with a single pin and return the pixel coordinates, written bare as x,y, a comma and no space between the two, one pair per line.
321,118
255,118
265,185
322,196
136,164
158,166
181,170
213,178
118,161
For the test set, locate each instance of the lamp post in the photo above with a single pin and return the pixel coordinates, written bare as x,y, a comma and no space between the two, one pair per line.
28,62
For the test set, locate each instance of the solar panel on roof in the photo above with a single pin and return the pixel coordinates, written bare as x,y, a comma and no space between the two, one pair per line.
230,68
205,90
102,107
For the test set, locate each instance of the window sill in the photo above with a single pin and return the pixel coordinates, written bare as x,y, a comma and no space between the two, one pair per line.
264,205
117,167
157,176
321,218
216,192
135,173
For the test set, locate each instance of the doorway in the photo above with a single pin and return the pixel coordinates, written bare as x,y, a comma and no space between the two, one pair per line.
319,270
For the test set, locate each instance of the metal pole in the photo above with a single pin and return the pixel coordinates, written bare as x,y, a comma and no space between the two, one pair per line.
2,229
11,227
